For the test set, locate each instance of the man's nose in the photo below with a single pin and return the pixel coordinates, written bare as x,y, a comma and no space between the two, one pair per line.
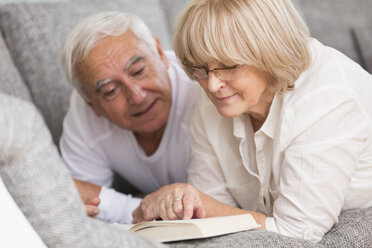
135,94
214,83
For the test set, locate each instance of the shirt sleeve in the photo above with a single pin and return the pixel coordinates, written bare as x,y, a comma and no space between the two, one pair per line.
87,162
79,150
318,165
116,207
205,171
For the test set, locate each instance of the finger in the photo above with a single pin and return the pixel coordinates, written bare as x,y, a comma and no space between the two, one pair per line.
93,201
174,209
178,207
163,210
137,216
150,208
92,211
171,215
176,203
199,210
188,205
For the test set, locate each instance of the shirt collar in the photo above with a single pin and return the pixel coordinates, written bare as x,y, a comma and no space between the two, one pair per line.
270,124
239,126
273,119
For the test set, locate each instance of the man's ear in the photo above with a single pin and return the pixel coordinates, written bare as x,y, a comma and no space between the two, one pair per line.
93,107
160,51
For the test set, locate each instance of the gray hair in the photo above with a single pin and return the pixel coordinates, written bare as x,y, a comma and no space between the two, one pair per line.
85,35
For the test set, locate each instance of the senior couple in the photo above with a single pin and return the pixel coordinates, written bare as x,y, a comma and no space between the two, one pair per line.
281,130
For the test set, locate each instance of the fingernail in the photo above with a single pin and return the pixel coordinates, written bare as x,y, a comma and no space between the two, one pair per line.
96,211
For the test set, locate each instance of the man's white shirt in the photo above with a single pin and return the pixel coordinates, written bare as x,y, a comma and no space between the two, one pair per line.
93,148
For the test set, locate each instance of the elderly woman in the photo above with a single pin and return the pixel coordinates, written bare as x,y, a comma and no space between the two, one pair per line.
284,128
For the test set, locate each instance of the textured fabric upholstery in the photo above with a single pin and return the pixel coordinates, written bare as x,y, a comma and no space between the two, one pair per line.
331,21
250,239
353,230
172,9
34,33
10,79
363,36
38,181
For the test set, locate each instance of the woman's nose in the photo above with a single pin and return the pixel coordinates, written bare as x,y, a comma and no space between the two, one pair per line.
214,83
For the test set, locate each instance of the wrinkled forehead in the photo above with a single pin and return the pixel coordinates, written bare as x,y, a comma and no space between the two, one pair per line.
113,51
107,45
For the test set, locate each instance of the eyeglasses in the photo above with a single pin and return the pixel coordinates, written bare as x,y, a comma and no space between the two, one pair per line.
227,73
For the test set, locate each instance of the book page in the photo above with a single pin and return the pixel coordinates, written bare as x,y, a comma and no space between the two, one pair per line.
164,231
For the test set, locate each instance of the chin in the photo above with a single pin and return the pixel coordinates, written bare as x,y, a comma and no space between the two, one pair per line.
153,126
229,113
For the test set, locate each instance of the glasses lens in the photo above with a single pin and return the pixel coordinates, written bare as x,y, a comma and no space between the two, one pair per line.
228,74
196,73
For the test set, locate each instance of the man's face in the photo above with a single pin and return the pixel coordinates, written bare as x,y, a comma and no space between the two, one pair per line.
127,83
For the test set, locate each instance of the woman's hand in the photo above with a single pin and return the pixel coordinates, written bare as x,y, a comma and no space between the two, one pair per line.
171,202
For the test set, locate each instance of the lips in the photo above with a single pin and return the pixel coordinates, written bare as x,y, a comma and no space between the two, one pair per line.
142,112
225,98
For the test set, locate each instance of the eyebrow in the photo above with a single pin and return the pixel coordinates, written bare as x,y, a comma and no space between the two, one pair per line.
133,60
103,82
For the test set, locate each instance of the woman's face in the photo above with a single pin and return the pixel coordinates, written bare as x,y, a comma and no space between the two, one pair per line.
247,93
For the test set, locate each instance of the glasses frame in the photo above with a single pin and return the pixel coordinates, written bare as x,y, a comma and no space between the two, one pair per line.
216,71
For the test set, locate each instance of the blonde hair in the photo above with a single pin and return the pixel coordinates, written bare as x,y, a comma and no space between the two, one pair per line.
87,33
267,34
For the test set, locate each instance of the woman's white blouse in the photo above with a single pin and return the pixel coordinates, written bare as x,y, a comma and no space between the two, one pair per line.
311,158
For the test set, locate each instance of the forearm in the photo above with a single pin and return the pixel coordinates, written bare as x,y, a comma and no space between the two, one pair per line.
215,208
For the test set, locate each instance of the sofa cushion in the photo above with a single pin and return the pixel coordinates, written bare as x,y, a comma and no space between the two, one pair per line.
363,36
34,33
35,176
331,21
172,9
10,80
353,230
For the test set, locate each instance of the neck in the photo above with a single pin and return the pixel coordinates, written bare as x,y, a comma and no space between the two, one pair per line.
150,142
260,113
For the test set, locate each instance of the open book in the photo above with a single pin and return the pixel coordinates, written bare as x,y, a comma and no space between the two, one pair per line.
173,230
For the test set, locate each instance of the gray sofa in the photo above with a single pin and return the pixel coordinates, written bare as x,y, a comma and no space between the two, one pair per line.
32,33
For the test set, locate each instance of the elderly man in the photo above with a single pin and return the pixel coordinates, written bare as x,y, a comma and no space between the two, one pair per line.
130,113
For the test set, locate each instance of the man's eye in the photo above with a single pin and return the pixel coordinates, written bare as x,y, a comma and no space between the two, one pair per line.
111,92
139,72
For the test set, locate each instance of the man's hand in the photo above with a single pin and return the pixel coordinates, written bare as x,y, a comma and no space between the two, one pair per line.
171,202
89,193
